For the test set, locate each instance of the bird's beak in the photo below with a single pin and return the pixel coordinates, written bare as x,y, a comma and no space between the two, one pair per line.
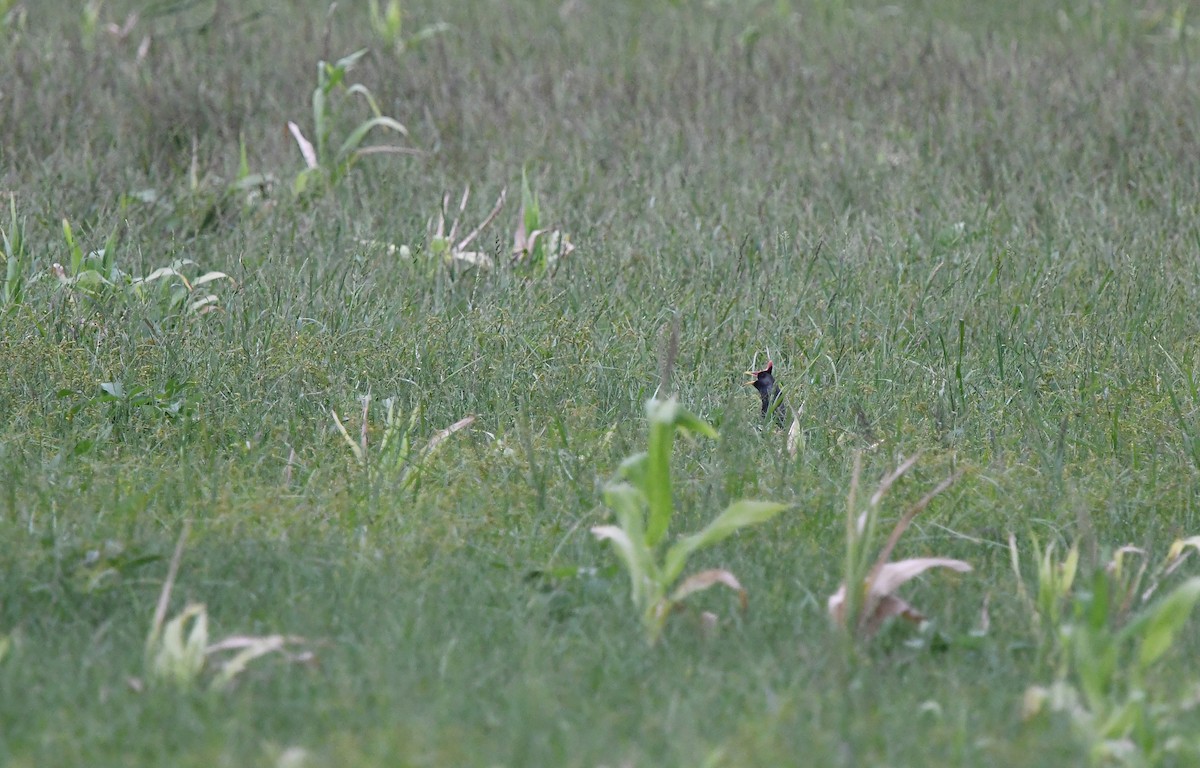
753,379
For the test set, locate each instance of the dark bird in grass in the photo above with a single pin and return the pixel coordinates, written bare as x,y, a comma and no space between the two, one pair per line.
769,391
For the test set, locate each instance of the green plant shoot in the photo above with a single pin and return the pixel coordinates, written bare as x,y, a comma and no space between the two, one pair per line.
642,502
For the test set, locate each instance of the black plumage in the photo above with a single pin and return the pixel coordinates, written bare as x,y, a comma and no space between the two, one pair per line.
769,391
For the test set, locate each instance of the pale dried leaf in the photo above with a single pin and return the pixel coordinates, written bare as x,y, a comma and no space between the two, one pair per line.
836,605
306,147
292,757
794,436
389,248
520,237
1179,550
157,274
1116,565
237,642
880,603
698,582
890,607
893,575
477,259
883,609
358,452
164,596
490,218
208,277
442,434
204,305
886,483
906,519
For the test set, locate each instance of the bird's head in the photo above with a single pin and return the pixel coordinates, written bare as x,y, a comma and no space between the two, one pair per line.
764,380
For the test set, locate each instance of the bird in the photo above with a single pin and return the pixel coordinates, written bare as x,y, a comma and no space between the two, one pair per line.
770,392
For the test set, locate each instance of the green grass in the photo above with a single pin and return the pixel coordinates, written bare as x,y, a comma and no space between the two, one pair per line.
958,228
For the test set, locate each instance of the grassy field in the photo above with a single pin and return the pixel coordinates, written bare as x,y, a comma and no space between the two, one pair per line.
959,229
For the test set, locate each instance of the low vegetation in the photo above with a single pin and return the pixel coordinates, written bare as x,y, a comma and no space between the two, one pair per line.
336,426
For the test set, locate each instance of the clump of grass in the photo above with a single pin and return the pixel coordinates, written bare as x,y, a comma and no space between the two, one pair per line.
397,460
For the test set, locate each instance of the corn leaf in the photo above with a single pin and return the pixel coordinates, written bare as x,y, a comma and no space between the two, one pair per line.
698,582
358,134
893,575
1159,626
737,515
636,558
250,648
665,416
629,505
306,148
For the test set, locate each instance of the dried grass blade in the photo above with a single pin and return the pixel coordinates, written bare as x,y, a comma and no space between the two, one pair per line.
903,523
490,218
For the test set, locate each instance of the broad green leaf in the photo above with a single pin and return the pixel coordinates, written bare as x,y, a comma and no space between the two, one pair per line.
300,183
321,130
656,483
429,31
670,412
737,515
633,469
530,210
356,136
361,90
636,559
347,62
666,416
1165,619
1115,729
629,506
1095,657
75,252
